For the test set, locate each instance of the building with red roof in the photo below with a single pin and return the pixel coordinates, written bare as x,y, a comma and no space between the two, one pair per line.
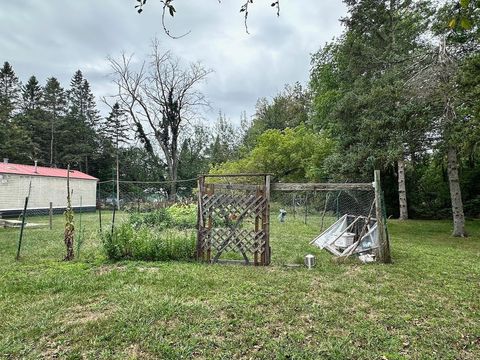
43,185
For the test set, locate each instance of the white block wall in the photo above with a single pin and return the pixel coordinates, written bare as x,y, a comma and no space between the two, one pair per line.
14,189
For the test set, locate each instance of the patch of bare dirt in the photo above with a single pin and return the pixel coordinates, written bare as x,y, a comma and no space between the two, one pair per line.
148,269
135,351
53,349
106,269
88,313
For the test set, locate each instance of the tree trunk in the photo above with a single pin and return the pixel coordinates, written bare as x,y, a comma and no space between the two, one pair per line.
173,177
402,191
383,251
455,193
172,196
174,167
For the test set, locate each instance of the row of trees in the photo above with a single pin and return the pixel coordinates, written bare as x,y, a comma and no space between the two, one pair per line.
398,91
58,127
47,123
391,91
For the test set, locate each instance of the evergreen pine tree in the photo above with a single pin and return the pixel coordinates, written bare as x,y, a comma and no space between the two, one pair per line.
115,127
54,104
32,94
79,137
9,92
14,139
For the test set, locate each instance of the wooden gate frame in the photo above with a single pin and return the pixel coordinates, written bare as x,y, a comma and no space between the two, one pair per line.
211,241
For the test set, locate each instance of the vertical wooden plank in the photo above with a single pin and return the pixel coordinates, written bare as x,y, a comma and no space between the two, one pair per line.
305,215
200,224
384,248
294,206
257,229
267,221
210,192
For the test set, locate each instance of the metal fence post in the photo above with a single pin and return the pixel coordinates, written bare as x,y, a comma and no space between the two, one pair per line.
50,215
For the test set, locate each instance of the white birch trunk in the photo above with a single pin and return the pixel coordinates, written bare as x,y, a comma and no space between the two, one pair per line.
402,191
455,194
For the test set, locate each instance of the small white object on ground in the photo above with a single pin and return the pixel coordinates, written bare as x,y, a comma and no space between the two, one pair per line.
367,258
309,261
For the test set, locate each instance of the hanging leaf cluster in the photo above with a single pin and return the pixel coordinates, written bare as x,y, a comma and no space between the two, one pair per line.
461,18
168,7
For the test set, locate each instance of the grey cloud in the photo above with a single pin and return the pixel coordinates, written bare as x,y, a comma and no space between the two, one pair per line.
57,37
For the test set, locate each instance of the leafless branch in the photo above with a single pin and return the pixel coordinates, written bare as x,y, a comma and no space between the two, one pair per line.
160,95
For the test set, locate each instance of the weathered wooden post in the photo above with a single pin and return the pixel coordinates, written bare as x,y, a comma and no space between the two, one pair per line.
201,181
305,215
294,206
384,245
50,215
267,221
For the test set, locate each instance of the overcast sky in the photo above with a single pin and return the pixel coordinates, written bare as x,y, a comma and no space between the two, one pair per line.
57,37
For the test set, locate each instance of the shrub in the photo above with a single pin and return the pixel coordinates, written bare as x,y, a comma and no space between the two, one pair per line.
130,243
182,216
159,218
178,216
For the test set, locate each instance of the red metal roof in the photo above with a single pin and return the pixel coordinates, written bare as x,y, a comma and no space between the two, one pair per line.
18,169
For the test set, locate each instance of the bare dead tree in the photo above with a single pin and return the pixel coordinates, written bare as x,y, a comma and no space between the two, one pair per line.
161,97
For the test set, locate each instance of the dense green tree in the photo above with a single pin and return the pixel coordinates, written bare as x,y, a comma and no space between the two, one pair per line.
195,154
225,142
116,127
359,88
297,154
116,130
289,108
452,119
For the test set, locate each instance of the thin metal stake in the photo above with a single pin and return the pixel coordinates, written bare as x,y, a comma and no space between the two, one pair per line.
21,229
100,216
79,241
113,218
50,213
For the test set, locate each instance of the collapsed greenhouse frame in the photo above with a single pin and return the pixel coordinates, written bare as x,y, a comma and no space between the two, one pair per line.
369,238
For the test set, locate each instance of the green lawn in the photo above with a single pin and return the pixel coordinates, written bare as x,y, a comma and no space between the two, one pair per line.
424,306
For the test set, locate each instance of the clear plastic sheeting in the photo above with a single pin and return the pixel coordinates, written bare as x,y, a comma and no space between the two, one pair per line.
349,235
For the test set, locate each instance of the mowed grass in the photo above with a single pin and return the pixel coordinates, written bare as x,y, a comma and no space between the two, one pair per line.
424,306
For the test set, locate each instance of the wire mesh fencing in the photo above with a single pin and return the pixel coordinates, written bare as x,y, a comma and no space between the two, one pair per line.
140,196
322,207
150,205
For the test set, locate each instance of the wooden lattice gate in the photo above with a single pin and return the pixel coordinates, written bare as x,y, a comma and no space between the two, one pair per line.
234,218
